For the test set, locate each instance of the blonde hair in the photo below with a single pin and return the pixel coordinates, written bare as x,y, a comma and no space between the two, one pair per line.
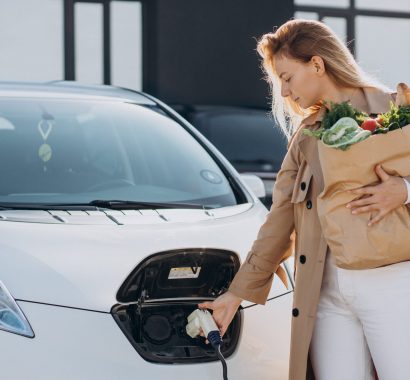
301,40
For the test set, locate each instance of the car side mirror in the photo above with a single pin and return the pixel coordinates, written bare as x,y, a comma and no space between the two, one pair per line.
255,184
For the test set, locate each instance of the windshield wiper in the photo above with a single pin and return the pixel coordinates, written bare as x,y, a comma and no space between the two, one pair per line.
127,205
45,206
97,203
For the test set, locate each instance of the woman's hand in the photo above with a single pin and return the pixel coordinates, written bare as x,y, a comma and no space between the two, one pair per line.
224,308
384,197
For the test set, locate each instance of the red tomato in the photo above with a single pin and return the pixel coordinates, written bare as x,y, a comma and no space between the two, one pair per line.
370,125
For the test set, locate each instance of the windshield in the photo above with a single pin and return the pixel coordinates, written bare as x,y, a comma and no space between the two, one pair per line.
76,151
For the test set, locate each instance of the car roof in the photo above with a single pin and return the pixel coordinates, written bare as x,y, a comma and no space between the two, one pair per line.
73,90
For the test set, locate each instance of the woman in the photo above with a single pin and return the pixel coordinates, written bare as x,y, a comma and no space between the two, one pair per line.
343,320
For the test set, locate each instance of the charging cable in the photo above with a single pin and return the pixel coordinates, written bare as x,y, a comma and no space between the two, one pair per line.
202,320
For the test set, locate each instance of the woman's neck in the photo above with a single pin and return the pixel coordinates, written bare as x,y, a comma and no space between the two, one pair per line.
354,95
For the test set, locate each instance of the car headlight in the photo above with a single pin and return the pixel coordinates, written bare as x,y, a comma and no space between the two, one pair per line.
12,318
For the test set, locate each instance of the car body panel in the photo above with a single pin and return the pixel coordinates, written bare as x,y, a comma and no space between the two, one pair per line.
87,260
82,345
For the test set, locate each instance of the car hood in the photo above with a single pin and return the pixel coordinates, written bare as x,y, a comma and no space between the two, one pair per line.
80,259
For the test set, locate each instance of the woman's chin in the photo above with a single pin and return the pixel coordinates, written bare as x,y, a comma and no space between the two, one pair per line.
305,105
300,103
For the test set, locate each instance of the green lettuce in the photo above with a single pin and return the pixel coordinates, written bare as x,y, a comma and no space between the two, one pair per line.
341,135
344,133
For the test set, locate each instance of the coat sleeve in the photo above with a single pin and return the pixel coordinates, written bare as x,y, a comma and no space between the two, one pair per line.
273,243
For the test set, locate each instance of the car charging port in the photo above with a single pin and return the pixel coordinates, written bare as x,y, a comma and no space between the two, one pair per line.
155,320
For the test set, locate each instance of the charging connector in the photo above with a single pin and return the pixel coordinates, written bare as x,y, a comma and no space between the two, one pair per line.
202,320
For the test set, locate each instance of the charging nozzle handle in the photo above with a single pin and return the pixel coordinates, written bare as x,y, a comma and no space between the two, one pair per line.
214,337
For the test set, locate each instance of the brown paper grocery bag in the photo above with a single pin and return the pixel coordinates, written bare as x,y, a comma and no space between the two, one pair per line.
353,243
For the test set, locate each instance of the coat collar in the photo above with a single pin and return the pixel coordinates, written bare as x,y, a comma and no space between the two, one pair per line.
377,101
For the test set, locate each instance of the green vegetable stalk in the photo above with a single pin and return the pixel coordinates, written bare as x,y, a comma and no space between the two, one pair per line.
340,127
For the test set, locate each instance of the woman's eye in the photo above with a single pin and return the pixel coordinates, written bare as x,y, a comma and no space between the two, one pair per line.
288,80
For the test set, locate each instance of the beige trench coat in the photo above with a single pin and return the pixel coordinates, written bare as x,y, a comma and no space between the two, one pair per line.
298,184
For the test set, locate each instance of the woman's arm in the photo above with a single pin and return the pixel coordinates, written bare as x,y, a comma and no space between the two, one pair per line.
273,243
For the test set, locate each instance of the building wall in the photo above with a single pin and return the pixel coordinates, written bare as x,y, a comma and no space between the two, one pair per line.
192,46
203,52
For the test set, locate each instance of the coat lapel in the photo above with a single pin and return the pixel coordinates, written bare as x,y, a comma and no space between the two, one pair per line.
308,146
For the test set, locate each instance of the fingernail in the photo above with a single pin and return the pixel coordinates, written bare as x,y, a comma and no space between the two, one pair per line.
347,206
353,212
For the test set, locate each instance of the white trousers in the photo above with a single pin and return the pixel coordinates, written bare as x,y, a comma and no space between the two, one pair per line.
363,318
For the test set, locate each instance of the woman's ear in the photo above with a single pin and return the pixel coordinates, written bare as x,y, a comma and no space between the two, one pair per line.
318,65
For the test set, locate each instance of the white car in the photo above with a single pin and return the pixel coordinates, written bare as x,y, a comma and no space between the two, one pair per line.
116,219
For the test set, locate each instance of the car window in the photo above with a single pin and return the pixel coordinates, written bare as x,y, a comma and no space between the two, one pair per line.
70,151
249,139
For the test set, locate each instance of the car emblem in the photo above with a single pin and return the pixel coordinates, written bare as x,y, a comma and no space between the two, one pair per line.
211,176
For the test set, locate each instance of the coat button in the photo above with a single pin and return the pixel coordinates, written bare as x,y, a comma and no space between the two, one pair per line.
295,312
302,259
303,185
309,204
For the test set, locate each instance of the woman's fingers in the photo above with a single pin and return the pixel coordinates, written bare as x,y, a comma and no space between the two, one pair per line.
376,219
364,209
223,310
381,173
363,190
225,322
364,201
206,305
388,195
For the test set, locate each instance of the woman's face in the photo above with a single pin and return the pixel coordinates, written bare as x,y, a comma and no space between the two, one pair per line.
301,81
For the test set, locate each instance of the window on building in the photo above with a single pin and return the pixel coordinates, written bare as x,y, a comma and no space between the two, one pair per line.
379,50
31,40
88,32
126,40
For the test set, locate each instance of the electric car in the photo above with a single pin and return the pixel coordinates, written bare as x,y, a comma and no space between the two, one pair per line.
117,218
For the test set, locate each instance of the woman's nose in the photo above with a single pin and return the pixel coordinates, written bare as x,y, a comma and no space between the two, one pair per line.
285,91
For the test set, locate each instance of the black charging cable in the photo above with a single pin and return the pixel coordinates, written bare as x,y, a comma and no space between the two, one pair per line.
214,337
